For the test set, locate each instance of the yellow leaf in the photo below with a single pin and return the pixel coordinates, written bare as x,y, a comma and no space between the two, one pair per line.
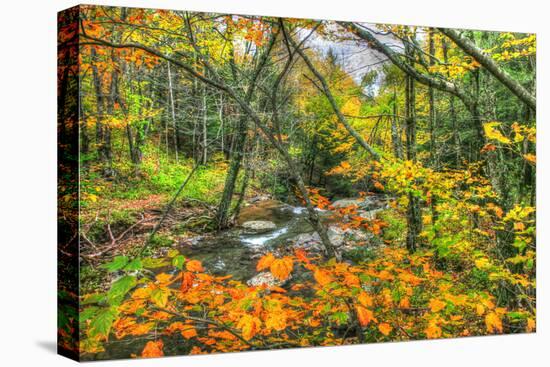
480,310
493,322
276,320
159,296
249,326
493,133
385,328
437,305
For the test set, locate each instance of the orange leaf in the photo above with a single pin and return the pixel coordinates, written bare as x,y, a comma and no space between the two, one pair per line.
153,349
265,262
281,268
437,305
493,322
322,277
531,325
385,328
365,299
530,158
433,331
194,265
189,332
277,289
301,255
365,316
187,281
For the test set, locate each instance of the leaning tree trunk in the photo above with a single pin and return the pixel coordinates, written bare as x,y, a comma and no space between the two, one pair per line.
222,219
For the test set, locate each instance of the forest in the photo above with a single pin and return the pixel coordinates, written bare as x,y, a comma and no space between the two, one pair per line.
250,183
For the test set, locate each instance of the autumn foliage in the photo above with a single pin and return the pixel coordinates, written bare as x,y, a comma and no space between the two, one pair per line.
445,147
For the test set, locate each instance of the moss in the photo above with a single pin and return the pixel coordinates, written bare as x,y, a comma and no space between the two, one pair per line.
397,226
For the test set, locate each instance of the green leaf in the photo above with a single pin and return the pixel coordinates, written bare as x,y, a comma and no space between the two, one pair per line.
119,289
178,262
134,265
515,315
340,318
160,297
88,313
102,323
93,298
152,263
118,263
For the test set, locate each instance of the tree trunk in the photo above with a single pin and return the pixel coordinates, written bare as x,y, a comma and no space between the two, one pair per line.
414,220
173,113
395,130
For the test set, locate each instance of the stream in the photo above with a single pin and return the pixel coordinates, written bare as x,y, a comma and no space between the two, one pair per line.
236,252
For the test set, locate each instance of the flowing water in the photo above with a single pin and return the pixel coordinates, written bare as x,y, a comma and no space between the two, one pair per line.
235,252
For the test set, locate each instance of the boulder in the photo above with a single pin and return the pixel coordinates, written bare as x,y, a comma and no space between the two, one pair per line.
265,278
260,210
258,226
368,214
309,241
342,203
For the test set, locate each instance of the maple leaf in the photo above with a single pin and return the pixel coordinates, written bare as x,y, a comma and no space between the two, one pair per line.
281,268
385,328
364,315
153,349
265,262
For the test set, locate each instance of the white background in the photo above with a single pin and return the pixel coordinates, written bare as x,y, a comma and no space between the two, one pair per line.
28,182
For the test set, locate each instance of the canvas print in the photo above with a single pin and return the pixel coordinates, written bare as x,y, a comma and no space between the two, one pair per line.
230,183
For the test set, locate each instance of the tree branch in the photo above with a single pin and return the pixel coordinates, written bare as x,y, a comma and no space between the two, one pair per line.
491,66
